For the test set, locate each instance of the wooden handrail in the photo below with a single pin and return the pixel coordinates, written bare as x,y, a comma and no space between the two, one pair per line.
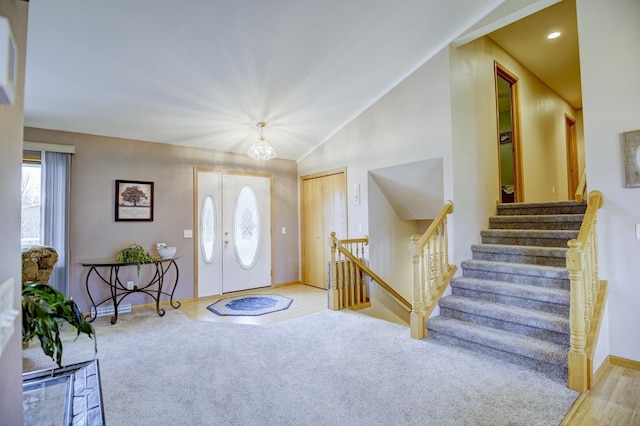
382,283
431,270
431,230
347,288
582,186
587,296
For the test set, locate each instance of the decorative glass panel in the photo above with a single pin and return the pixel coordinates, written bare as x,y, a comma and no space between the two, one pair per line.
207,228
247,228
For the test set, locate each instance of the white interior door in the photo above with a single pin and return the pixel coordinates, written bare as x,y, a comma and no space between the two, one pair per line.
234,232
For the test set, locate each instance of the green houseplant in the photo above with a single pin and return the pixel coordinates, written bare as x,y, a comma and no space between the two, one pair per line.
134,254
44,309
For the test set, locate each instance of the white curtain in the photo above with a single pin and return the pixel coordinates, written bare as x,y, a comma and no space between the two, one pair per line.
56,177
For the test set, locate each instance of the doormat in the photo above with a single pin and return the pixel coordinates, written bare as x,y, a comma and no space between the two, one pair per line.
250,305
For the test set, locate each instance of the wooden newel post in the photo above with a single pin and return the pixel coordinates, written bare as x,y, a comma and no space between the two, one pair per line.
577,358
334,299
418,313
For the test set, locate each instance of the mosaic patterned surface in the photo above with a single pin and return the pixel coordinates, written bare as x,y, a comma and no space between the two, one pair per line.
250,305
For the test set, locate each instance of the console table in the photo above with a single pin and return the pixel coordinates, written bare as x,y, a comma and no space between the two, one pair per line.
154,288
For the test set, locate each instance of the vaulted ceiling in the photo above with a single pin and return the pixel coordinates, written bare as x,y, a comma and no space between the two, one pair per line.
202,73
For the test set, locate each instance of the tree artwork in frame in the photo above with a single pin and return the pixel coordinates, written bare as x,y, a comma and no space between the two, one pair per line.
134,200
632,158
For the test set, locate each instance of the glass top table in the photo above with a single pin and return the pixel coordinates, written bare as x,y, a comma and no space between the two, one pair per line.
106,273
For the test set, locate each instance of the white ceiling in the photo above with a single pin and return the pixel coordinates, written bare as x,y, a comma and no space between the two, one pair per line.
202,73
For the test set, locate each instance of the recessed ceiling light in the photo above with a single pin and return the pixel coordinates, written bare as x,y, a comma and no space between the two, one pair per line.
554,34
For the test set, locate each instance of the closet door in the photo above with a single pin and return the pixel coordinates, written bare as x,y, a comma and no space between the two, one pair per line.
324,210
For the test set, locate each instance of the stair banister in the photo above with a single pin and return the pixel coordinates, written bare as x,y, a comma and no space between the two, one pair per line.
587,296
582,187
348,290
431,270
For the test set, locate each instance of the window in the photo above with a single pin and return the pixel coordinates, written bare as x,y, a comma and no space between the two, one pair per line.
31,194
46,187
247,228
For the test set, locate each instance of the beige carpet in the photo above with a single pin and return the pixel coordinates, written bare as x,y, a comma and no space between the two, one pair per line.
329,368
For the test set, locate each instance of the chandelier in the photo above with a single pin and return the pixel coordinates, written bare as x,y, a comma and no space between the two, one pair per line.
261,150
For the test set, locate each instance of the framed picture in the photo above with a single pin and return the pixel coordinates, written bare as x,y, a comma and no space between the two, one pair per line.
134,200
632,158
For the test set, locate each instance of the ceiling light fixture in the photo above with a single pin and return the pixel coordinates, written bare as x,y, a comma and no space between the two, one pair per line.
554,34
261,150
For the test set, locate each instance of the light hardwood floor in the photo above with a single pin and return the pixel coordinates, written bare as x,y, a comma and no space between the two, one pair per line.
614,399
306,300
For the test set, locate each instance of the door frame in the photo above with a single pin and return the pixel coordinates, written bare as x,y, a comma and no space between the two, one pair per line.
573,166
518,179
196,224
302,213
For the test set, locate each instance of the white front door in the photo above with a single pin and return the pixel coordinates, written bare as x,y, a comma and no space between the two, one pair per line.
234,232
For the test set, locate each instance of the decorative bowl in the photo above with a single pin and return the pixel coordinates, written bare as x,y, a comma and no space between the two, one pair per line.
166,252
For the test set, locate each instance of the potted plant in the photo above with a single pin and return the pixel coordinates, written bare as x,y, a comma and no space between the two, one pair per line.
44,309
134,254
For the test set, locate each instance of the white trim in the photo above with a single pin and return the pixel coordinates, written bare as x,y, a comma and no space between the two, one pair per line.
51,147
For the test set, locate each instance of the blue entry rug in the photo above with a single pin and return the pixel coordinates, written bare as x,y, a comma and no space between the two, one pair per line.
259,304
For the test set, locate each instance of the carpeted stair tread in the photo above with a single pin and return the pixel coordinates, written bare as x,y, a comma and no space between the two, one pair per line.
524,250
549,256
509,314
512,300
532,233
549,222
541,294
516,268
546,208
528,237
520,273
505,341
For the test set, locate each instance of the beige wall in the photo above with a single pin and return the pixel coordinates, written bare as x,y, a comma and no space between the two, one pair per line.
11,124
542,126
447,109
542,118
409,124
95,235
609,62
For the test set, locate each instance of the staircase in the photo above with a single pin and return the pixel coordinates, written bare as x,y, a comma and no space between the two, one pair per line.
512,300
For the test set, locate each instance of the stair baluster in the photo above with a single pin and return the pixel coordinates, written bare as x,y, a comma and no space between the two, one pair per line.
431,270
588,294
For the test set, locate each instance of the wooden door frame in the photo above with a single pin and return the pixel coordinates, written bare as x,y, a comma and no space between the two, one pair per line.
573,166
518,179
196,222
302,213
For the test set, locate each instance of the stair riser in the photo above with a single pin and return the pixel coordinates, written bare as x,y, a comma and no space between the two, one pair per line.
553,308
552,370
517,278
525,330
520,258
553,226
525,241
542,210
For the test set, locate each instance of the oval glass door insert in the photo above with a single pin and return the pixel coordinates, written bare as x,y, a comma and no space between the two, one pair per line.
247,228
207,228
